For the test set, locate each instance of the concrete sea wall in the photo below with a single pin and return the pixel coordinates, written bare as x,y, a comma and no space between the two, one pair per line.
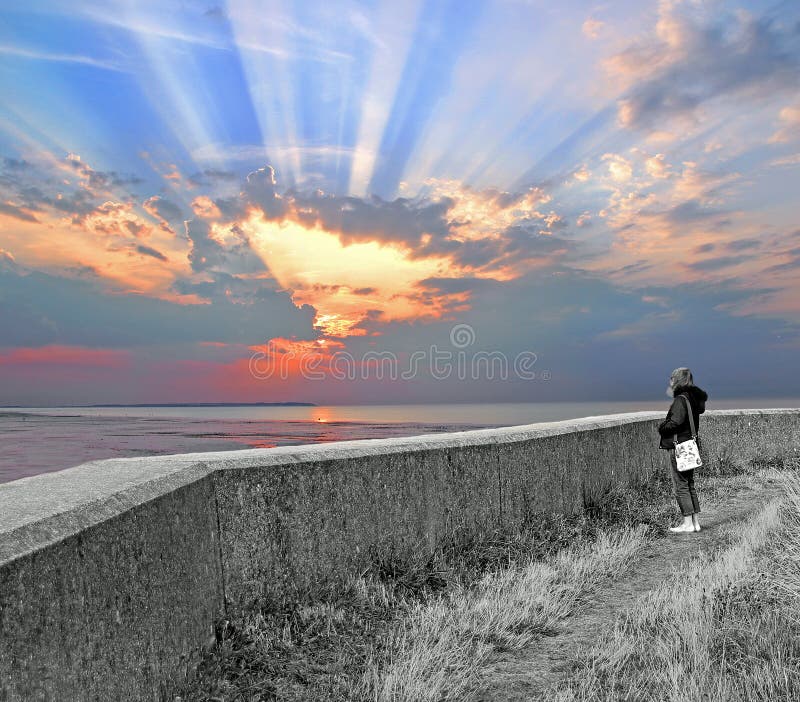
113,573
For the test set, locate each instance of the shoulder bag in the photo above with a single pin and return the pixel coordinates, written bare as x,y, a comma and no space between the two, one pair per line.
687,453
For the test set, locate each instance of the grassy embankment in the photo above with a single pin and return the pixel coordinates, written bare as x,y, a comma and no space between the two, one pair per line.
727,629
421,629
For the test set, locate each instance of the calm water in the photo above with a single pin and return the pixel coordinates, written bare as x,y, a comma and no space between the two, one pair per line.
39,440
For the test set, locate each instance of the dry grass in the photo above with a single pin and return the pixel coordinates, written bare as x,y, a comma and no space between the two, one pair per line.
721,631
439,651
318,647
308,651
378,636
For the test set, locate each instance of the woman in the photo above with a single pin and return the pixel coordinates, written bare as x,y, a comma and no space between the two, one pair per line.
677,423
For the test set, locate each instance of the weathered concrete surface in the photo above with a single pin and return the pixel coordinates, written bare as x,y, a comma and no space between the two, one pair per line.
742,436
319,513
112,573
288,526
108,594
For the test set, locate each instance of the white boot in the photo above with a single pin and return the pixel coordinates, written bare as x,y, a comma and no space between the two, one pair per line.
696,522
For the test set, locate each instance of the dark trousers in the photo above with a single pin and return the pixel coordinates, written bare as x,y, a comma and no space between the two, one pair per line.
683,483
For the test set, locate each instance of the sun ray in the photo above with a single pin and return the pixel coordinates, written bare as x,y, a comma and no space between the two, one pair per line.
394,23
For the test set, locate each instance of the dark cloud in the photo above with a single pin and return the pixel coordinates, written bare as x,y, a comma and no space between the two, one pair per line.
119,180
230,207
82,271
421,224
163,208
218,174
102,180
212,175
320,287
735,55
165,211
789,266
355,219
743,244
598,342
216,13
206,252
697,213
40,309
149,251
472,252
37,189
402,220
13,164
137,229
793,264
455,285
260,190
16,212
532,239
426,226
33,198
209,254
714,264
689,212
513,246
224,286
77,202
638,267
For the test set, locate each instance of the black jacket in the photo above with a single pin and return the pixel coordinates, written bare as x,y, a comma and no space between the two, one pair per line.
677,421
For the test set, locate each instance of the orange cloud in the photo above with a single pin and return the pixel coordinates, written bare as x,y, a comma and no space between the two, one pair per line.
324,272
115,219
105,242
477,214
203,206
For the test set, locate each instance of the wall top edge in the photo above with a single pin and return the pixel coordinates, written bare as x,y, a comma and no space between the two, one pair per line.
51,506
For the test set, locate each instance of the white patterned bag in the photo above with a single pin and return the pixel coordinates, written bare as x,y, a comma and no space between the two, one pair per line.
687,453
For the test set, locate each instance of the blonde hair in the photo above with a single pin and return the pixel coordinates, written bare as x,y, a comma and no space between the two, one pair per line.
681,377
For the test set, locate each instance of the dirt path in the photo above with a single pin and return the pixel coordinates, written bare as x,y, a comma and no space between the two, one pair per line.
526,675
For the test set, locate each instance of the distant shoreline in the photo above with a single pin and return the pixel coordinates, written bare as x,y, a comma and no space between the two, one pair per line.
171,404
215,404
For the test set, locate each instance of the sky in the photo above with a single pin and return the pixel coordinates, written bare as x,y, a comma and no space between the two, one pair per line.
418,201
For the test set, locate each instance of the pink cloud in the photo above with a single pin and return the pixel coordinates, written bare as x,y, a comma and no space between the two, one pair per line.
73,356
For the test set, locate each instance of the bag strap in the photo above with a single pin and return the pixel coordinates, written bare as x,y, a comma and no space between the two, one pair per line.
691,421
691,416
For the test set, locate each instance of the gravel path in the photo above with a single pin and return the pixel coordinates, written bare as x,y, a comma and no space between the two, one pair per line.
527,674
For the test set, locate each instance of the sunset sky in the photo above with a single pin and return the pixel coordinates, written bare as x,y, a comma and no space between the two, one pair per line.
184,186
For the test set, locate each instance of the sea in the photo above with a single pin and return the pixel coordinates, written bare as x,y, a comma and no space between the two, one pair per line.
37,440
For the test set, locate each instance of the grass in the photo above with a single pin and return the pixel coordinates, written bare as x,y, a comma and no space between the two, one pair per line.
324,645
438,653
411,624
723,630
